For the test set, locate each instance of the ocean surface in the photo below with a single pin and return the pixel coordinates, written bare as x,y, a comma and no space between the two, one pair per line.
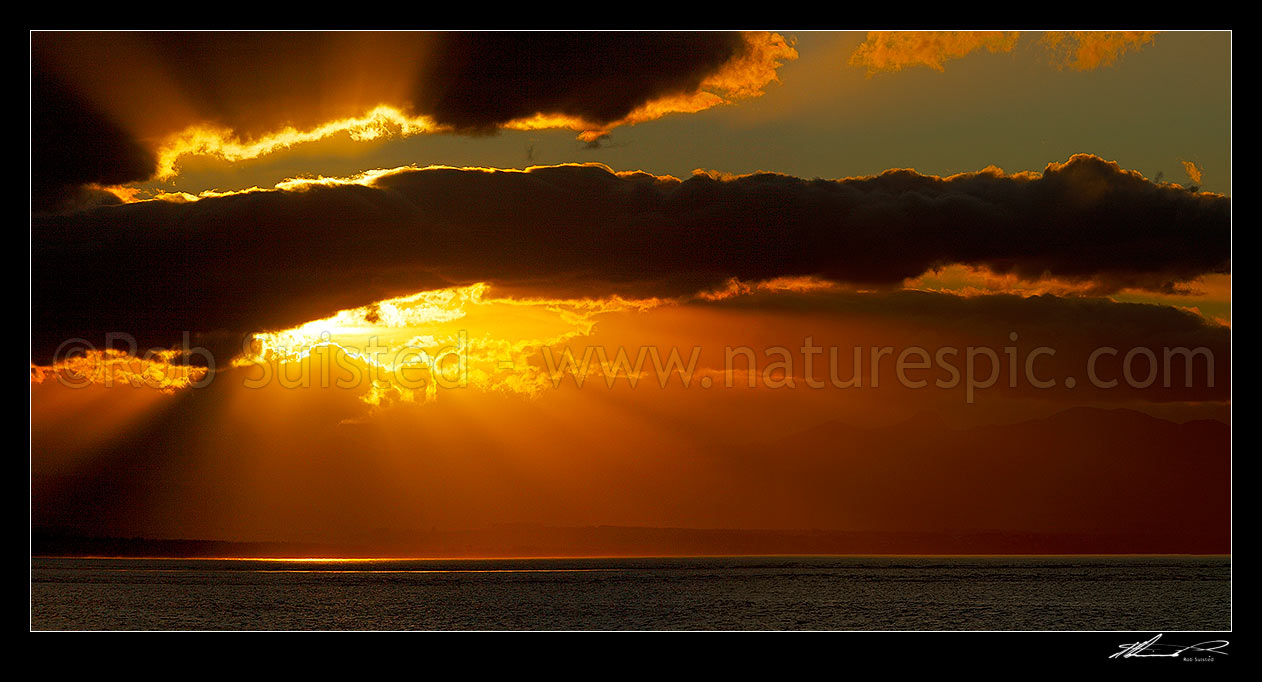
726,593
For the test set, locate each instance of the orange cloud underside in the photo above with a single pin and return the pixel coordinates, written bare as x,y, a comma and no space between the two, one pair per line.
1208,296
225,144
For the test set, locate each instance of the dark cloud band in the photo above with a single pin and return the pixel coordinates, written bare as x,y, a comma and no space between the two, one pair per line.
267,260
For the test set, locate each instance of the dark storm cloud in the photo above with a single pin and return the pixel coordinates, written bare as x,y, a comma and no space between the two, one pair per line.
473,82
265,260
477,81
74,144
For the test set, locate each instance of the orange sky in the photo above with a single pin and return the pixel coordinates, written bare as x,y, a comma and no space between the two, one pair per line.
383,325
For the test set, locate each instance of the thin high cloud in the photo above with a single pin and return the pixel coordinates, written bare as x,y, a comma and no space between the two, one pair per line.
897,50
1087,50
241,96
888,51
272,259
1195,173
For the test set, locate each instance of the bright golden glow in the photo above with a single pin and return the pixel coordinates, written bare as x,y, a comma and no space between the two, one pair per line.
411,346
223,143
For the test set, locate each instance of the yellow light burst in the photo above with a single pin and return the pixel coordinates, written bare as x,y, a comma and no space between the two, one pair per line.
405,349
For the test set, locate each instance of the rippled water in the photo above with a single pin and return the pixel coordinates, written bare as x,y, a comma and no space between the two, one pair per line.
846,593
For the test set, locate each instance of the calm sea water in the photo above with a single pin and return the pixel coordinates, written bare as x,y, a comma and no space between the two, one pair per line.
845,593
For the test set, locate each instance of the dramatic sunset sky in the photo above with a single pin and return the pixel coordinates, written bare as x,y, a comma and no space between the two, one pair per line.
322,288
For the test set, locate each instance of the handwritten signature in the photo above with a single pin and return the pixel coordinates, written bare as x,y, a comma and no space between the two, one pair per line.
1153,649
